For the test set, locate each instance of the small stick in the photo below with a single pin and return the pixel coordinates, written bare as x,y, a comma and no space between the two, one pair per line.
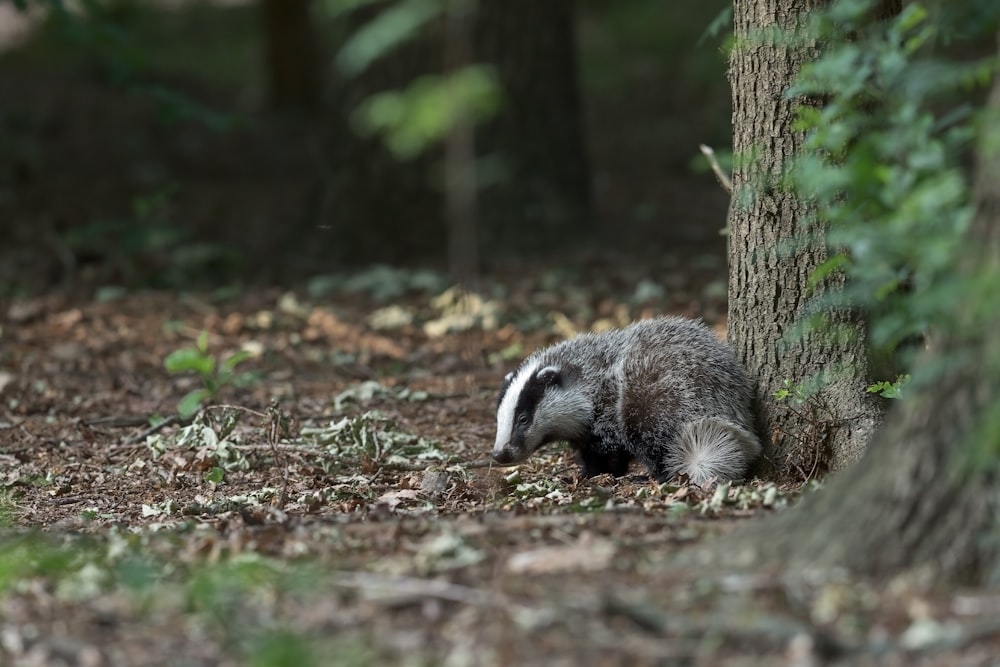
142,435
724,180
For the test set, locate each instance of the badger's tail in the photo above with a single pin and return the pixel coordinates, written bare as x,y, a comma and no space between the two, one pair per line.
709,448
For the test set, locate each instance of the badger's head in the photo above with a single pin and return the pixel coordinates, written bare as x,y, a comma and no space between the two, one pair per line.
538,405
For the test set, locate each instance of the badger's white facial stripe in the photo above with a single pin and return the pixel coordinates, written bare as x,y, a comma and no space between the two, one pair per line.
505,413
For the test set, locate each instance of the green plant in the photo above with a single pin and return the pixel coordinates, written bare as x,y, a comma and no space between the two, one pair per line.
413,119
8,508
885,160
134,45
380,282
792,391
887,389
148,248
282,648
215,374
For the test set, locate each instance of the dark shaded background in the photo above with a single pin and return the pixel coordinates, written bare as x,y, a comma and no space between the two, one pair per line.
148,154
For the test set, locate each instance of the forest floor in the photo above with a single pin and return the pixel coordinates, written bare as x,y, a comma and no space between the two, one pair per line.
351,516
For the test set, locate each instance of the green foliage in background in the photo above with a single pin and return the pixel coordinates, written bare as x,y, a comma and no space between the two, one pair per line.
886,159
149,248
379,282
421,115
397,23
116,36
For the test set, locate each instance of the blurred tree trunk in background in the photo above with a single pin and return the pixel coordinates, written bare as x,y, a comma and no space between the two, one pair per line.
537,201
291,57
888,9
460,154
543,204
774,249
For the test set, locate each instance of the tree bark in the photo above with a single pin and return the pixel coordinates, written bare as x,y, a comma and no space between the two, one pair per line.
926,494
774,248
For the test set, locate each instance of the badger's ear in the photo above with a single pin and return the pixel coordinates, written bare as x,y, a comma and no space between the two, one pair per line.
550,376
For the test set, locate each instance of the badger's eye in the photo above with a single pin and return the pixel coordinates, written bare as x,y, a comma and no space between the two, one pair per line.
522,419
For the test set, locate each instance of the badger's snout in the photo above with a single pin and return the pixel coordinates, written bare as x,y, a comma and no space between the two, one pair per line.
503,456
512,452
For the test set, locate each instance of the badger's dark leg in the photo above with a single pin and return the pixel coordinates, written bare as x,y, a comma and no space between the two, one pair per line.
598,463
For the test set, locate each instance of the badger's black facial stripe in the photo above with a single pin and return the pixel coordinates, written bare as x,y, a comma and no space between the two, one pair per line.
531,394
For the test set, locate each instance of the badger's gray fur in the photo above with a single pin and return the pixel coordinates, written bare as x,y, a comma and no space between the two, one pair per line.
665,392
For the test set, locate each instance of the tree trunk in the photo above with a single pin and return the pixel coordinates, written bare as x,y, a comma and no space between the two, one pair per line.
926,494
536,200
544,200
460,155
774,247
292,64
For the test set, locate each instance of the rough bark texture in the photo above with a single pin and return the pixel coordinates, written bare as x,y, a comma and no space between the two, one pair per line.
773,251
915,502
545,200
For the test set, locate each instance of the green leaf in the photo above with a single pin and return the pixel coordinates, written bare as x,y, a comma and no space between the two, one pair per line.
413,119
203,341
215,475
281,648
385,32
722,23
232,361
887,389
189,359
824,270
190,405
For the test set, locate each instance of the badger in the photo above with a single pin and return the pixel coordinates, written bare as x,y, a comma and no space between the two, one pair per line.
665,392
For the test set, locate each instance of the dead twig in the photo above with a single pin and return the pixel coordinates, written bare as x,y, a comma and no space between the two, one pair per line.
137,438
116,421
277,428
240,408
723,179
417,467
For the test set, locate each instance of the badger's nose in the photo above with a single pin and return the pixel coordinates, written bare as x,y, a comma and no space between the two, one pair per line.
503,456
